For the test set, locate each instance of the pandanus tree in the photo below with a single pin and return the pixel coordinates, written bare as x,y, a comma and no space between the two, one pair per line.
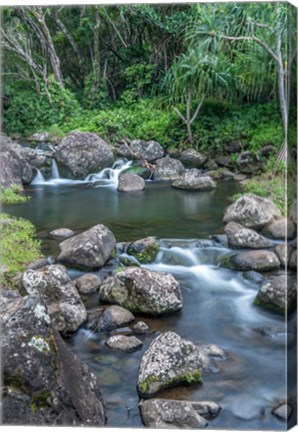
193,78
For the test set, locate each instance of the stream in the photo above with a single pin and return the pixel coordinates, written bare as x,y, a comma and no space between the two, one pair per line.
217,302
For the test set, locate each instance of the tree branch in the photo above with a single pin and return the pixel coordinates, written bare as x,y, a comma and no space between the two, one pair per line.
197,110
180,115
255,39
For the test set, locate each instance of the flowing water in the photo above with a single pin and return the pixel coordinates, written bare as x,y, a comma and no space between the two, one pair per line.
217,302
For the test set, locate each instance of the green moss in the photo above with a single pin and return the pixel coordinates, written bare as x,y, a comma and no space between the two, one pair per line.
227,262
268,306
15,380
190,378
143,386
13,195
114,253
41,399
147,255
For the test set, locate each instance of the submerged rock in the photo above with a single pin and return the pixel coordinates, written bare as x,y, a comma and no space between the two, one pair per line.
83,153
64,304
62,233
252,211
145,250
241,237
143,291
168,168
131,183
192,158
44,383
193,180
146,150
124,343
88,283
258,260
89,250
169,361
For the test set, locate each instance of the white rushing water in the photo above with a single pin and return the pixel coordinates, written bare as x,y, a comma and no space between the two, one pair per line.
106,177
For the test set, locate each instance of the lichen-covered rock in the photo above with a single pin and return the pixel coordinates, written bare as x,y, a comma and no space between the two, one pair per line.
44,383
192,158
281,229
193,180
130,182
169,360
145,250
10,171
64,304
258,260
62,233
283,252
173,414
89,250
146,150
82,153
143,291
168,168
252,211
124,343
88,283
248,162
278,294
241,237
109,318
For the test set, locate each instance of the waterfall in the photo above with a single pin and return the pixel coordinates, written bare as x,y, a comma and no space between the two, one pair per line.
39,178
54,170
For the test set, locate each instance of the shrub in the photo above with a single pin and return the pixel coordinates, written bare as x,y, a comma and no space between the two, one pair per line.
13,195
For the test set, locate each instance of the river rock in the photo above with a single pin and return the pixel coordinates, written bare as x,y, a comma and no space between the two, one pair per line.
130,183
82,153
281,229
193,180
210,164
170,414
245,238
224,161
168,168
283,252
192,158
293,212
258,260
145,250
44,383
124,343
248,162
293,260
10,172
278,294
114,317
234,147
169,360
40,137
283,412
140,328
252,211
146,150
62,233
143,291
53,284
90,250
88,283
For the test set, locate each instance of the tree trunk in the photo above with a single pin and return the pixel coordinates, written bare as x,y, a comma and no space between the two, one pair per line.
188,118
96,62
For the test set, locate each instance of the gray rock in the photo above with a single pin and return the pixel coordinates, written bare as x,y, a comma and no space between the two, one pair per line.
131,183
44,383
245,238
89,250
168,168
169,361
257,260
234,147
239,177
293,260
145,250
248,162
40,137
10,171
82,153
224,161
293,212
113,317
140,328
267,151
192,158
283,252
278,294
281,229
252,211
193,180
88,283
53,284
211,165
62,233
143,291
283,412
170,414
146,150
124,343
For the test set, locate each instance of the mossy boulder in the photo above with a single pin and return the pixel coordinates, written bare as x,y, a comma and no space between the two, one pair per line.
145,250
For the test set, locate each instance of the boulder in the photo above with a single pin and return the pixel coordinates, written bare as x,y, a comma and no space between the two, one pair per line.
83,153
267,151
252,211
171,414
55,287
15,162
168,168
44,383
224,161
293,212
143,291
283,252
89,250
245,238
192,158
283,412
124,343
145,250
109,318
248,162
258,260
169,361
146,150
88,283
193,180
293,260
278,294
210,164
62,233
129,182
281,229
10,171
234,147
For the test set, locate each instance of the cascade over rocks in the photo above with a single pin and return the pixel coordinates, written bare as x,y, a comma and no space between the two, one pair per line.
252,211
241,237
44,383
192,158
83,153
64,304
143,291
193,180
168,168
89,250
130,182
